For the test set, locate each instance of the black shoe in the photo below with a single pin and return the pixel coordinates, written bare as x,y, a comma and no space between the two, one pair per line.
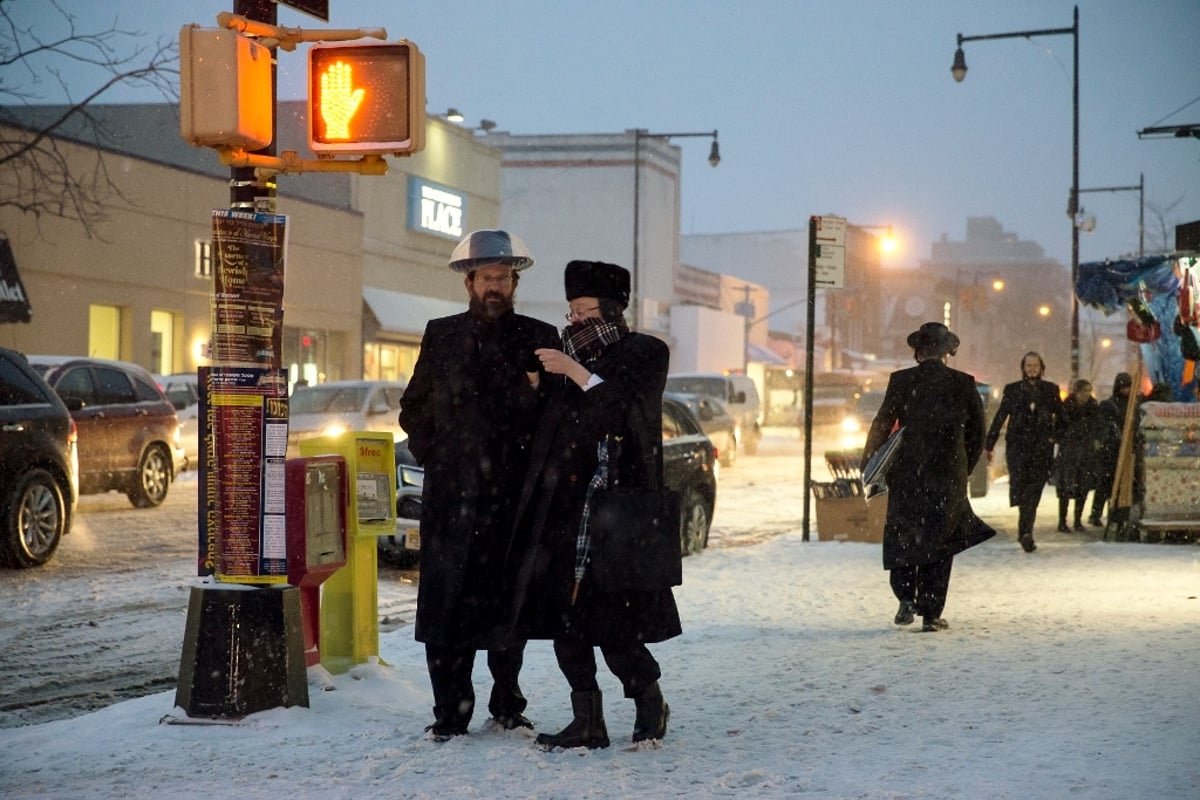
1027,543
1079,527
1095,522
442,732
653,713
510,722
1062,528
906,614
933,624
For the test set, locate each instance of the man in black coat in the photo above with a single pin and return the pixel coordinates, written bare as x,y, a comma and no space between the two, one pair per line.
1033,410
929,519
470,412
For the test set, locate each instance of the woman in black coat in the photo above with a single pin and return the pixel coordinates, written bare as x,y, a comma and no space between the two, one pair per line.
608,383
1080,461
1032,409
929,519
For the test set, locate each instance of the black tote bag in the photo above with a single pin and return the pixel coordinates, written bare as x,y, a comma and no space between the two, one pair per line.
635,542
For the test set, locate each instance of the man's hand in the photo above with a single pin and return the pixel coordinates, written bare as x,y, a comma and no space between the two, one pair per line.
339,99
556,362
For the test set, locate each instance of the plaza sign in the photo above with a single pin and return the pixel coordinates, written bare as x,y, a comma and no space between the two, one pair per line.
436,209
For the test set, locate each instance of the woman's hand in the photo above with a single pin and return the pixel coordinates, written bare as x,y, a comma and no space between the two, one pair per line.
556,362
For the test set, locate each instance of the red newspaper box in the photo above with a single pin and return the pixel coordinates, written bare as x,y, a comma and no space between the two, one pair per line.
317,488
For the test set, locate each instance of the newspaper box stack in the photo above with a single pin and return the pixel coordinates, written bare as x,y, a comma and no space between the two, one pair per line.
843,512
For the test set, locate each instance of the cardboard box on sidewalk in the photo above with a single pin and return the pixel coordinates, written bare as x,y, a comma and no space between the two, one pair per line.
851,519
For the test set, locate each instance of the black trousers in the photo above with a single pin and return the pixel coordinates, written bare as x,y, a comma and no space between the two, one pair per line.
454,694
925,585
632,664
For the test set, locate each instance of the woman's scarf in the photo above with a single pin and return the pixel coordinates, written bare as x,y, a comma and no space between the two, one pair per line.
585,340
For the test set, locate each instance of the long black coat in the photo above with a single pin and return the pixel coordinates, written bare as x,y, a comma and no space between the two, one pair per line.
1032,410
1081,448
564,460
469,412
929,517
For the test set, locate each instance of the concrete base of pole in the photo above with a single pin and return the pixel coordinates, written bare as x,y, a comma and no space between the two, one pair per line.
243,652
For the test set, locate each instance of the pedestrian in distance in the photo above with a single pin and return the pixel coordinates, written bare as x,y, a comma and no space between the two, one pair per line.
929,518
606,386
1032,409
1081,453
1113,410
470,412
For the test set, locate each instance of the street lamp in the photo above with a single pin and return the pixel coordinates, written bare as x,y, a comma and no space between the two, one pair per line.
714,158
1141,190
959,71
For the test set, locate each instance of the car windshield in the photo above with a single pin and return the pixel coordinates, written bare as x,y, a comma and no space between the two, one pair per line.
714,387
327,399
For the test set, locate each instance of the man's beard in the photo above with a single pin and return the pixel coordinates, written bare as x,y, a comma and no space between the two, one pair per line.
492,305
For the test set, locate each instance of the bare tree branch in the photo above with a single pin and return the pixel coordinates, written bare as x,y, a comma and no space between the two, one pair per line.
43,65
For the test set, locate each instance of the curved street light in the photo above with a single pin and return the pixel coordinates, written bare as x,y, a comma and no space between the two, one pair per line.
959,71
714,158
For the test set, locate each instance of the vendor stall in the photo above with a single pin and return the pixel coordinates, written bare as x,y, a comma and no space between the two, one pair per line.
1160,295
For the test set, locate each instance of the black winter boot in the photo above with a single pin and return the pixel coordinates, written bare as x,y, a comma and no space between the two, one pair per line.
586,730
652,714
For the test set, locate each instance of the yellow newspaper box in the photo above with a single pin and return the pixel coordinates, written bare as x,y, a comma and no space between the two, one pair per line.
349,628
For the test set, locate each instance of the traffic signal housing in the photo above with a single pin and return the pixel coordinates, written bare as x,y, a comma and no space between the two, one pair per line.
366,98
225,95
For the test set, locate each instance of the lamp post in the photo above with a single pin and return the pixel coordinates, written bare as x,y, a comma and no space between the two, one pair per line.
1141,190
959,71
714,158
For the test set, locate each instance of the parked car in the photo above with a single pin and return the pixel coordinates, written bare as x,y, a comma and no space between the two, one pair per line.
128,430
716,422
689,467
737,392
39,465
331,409
183,390
402,547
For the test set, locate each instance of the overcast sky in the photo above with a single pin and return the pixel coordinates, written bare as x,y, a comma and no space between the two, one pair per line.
841,108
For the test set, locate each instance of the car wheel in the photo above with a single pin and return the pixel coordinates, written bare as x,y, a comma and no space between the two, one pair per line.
153,478
693,523
729,452
34,520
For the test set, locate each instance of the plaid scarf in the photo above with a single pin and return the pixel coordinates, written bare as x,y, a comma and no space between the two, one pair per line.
585,340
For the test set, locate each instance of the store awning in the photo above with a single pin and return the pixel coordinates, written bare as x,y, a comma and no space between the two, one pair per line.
763,355
407,314
14,303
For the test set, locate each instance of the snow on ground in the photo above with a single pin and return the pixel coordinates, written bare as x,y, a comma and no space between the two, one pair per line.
1069,672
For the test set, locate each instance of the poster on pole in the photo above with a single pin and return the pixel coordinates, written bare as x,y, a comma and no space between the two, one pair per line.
242,475
830,258
249,250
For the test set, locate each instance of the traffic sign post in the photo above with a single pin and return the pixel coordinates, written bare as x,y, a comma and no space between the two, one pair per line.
830,258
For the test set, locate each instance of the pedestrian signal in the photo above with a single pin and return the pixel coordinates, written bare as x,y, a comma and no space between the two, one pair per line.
366,98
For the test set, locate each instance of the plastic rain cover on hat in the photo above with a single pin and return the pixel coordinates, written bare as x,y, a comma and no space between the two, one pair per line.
480,248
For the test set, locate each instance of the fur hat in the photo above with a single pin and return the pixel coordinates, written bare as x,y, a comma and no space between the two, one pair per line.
933,338
480,248
597,279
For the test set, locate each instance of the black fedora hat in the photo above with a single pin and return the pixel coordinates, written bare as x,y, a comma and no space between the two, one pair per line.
933,338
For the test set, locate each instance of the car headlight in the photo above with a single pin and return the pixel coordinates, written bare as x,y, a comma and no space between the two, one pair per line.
334,429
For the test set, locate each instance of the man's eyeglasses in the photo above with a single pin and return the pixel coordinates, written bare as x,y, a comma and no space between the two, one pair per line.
576,314
494,280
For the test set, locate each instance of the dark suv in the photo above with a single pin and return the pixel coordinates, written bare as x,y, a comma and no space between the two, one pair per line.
38,465
128,430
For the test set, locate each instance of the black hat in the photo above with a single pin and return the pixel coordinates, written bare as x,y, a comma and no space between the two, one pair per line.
933,338
597,279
